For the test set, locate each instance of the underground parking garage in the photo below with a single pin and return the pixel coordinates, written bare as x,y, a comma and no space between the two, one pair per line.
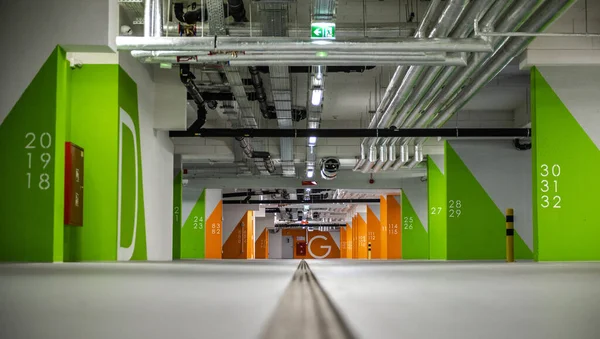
300,169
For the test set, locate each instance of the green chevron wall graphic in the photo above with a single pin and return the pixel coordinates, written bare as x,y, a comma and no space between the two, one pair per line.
565,172
28,177
177,202
476,227
82,106
192,233
415,240
436,196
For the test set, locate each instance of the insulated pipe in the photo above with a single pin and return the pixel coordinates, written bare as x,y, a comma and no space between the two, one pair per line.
436,76
157,21
372,160
401,160
503,57
342,31
297,60
447,19
401,70
428,80
522,9
488,20
149,8
417,157
278,44
145,54
383,158
363,158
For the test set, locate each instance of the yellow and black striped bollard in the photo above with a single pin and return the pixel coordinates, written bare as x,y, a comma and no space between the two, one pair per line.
369,252
510,235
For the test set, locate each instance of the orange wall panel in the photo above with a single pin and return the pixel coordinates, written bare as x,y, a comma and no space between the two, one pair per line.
394,216
348,241
322,246
373,234
214,230
383,253
241,240
343,242
361,237
262,245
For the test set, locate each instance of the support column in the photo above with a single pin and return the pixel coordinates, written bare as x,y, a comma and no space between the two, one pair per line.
374,236
177,201
436,197
566,159
361,232
415,237
262,241
394,231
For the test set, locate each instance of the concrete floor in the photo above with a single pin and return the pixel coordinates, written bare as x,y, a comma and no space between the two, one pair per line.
234,299
224,299
465,300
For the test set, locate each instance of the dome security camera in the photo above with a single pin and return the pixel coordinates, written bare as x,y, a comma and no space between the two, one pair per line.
126,30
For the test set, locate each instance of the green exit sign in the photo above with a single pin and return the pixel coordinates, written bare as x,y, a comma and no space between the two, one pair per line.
322,30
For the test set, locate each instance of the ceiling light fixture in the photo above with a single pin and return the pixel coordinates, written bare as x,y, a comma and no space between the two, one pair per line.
317,96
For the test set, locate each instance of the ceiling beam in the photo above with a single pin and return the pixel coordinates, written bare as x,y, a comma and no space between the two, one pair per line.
353,133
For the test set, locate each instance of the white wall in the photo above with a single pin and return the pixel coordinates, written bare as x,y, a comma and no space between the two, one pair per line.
275,243
157,165
579,89
232,215
415,190
30,30
505,174
261,223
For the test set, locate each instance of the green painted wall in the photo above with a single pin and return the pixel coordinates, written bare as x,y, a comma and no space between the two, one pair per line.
81,106
29,174
177,199
436,197
93,125
415,240
476,227
566,165
128,103
193,237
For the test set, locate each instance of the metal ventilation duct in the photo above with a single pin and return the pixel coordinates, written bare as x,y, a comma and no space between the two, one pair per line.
274,23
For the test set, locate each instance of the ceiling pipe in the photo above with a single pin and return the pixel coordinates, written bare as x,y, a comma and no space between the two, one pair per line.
395,83
227,44
516,15
436,76
261,96
354,133
149,17
516,45
445,23
310,59
521,10
342,31
429,77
